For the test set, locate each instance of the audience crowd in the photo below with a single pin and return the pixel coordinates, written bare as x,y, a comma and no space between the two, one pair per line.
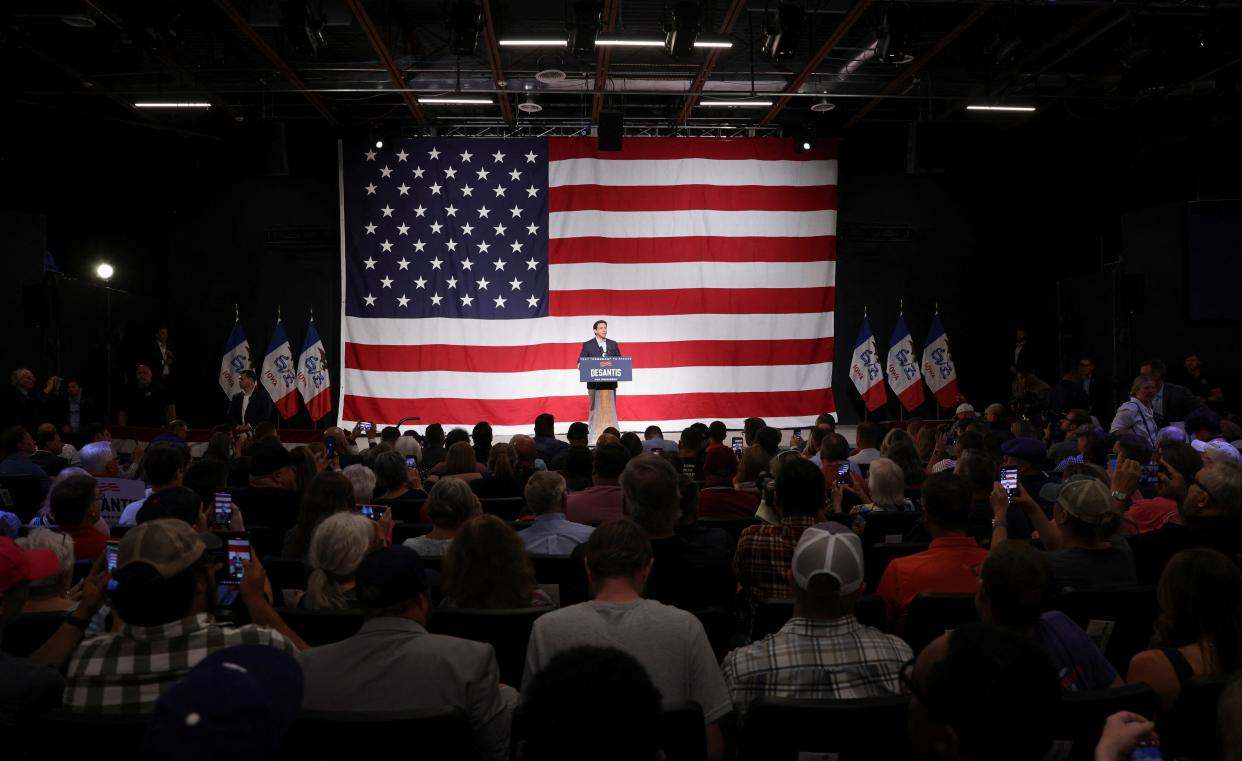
942,564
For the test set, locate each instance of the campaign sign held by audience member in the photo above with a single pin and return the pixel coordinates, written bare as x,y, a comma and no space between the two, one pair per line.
117,494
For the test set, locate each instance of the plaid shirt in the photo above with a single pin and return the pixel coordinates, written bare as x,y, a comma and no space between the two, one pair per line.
764,554
124,673
816,659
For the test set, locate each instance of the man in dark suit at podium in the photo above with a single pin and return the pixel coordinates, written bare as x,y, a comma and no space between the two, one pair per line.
603,406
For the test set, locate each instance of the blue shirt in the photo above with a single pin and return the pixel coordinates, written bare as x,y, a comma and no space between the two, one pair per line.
554,534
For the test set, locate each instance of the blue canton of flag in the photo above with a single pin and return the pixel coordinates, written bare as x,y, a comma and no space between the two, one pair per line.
446,227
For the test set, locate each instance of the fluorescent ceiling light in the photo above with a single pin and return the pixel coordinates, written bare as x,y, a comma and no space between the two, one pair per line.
713,44
533,42
737,103
456,101
1000,108
164,104
629,41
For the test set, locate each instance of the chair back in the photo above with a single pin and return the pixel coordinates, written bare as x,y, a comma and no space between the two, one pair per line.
346,736
934,613
29,631
682,734
403,531
778,729
1118,620
21,493
732,526
1189,729
883,524
266,540
72,734
286,573
717,621
322,627
770,617
507,631
505,508
1080,719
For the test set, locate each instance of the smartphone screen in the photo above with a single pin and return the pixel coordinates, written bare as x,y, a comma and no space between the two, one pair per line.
411,463
330,444
1009,480
223,513
1148,475
843,473
371,511
1112,463
797,433
365,427
737,445
238,553
110,555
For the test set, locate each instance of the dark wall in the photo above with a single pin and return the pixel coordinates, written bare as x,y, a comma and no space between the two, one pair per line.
1001,227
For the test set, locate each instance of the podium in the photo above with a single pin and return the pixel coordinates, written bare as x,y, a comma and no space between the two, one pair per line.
603,400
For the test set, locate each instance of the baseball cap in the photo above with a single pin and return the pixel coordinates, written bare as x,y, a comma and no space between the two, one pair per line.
1087,500
237,703
168,545
18,565
963,407
1025,448
831,548
389,576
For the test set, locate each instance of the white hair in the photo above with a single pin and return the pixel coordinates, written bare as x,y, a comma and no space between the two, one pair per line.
408,446
95,456
887,483
362,479
336,548
61,545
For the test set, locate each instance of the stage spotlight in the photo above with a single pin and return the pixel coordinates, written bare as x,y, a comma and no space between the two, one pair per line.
681,29
781,39
804,137
584,27
464,22
104,271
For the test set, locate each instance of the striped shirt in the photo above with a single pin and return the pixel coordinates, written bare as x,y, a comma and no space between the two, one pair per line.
816,659
764,553
124,673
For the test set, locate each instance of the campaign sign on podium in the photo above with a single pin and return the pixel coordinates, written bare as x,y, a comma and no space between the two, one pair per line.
605,369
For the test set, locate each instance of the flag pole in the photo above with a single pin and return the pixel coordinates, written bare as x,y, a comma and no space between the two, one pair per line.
901,408
935,313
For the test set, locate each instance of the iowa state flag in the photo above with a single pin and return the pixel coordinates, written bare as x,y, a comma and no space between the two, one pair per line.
903,368
236,358
938,368
865,369
313,381
279,375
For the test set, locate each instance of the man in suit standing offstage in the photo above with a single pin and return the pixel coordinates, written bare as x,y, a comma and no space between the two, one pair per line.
603,405
251,405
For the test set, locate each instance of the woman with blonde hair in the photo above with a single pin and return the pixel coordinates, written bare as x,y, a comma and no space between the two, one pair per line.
336,548
51,593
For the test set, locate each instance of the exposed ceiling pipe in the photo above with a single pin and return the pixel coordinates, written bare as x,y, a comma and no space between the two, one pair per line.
731,15
385,58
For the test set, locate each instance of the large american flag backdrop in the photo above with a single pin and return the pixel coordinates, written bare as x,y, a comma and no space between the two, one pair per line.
473,270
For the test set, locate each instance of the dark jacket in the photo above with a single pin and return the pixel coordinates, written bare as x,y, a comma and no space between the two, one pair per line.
591,349
259,410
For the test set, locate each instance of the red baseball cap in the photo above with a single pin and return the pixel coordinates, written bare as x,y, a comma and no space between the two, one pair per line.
18,565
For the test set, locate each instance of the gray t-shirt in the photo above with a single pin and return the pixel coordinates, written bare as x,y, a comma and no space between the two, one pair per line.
1080,568
668,642
428,548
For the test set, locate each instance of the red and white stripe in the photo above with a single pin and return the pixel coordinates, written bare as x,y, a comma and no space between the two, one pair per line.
713,262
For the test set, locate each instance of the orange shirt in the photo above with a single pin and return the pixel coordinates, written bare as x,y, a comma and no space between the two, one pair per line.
947,565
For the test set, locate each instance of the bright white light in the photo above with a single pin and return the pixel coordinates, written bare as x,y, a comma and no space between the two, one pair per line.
548,42
104,271
806,146
379,143
163,104
629,42
1000,108
737,103
456,101
710,43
